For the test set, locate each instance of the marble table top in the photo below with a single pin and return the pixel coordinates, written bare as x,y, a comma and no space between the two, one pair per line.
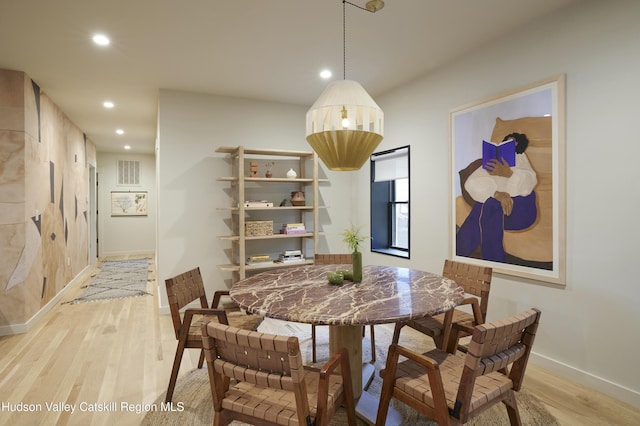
386,294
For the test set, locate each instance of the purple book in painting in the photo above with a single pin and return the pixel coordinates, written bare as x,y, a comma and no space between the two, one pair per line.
499,150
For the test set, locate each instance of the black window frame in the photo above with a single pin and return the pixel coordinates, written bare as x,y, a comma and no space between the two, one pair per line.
383,203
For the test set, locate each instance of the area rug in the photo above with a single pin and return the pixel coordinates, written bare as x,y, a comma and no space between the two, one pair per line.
116,279
194,392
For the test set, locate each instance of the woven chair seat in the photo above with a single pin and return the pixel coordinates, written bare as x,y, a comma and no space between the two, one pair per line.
411,378
235,318
241,320
281,407
195,330
432,326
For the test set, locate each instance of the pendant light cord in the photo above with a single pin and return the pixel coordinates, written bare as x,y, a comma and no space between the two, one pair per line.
344,40
344,34
358,6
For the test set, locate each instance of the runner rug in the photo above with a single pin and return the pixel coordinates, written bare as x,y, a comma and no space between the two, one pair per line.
194,392
117,279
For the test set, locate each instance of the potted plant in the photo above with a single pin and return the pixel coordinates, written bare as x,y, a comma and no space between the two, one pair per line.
353,237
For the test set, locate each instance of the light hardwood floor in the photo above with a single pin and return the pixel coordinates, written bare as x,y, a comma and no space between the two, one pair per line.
111,358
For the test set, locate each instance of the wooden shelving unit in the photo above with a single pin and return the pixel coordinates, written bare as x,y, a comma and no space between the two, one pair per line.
245,187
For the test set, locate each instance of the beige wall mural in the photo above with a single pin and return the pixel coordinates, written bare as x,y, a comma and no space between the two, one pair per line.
44,177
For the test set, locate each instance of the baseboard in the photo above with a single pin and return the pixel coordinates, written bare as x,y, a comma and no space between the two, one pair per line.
163,310
587,379
128,253
8,330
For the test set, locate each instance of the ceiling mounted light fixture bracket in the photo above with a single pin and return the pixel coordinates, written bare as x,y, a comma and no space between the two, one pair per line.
345,125
374,5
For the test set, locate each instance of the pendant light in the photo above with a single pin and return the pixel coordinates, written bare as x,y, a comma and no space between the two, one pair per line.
345,125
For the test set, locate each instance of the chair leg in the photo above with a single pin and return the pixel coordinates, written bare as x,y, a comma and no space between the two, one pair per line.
452,344
313,343
201,360
512,409
174,371
396,333
388,383
373,345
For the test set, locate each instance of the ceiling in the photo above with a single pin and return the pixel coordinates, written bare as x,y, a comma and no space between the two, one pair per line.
269,50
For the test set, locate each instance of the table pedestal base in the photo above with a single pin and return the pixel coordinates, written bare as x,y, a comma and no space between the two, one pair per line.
350,337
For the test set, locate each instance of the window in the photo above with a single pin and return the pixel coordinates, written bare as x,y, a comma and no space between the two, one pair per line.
390,202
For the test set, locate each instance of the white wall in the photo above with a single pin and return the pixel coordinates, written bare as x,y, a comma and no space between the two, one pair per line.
125,234
191,127
589,329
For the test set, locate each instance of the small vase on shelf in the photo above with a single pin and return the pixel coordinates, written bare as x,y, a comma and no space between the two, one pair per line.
291,174
269,165
297,198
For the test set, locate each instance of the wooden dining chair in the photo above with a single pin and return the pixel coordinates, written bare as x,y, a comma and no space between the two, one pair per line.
476,281
453,388
338,259
260,379
182,290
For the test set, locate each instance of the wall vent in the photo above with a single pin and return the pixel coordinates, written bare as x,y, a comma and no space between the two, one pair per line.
128,172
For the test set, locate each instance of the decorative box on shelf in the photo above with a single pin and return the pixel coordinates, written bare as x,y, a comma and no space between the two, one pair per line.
258,228
257,204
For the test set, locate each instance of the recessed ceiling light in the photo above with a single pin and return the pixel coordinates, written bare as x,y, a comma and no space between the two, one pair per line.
127,147
325,74
108,104
120,132
101,40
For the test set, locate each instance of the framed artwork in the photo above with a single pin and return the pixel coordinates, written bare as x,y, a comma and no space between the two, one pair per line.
507,182
128,203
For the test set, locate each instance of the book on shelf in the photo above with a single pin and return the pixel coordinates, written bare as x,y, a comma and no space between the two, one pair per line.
293,228
285,259
500,151
291,255
259,258
257,203
293,231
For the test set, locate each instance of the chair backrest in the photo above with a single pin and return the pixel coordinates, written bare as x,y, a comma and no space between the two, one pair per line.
181,291
333,259
475,280
494,347
265,360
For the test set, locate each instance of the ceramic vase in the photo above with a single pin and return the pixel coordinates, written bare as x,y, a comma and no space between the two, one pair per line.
356,260
291,174
297,198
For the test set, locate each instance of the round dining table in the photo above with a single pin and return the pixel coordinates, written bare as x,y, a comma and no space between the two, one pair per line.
387,294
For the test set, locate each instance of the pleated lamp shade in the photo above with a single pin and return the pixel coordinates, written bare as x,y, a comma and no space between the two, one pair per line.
344,144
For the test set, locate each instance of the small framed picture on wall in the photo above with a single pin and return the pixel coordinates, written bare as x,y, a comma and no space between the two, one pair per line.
129,203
